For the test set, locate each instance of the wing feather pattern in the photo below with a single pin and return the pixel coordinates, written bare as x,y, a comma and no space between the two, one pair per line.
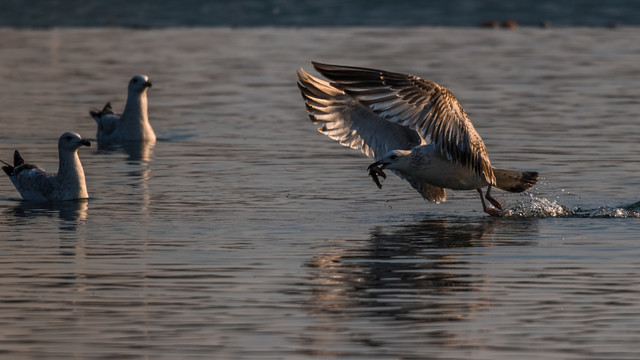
353,124
417,104
349,122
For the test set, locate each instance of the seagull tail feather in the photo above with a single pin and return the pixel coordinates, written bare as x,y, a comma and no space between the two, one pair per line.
17,159
515,181
98,114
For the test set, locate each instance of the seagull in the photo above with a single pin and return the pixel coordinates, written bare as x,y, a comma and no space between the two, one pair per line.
411,126
133,124
35,184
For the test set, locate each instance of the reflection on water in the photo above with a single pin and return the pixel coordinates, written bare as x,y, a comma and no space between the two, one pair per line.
415,256
70,212
398,259
137,168
71,231
421,273
213,243
136,150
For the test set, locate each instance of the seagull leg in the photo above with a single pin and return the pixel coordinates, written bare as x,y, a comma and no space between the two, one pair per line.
488,210
492,200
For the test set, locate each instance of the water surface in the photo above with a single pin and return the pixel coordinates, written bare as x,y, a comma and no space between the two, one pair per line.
245,233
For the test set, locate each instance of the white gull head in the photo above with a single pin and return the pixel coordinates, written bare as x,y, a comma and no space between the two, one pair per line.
139,84
71,141
395,160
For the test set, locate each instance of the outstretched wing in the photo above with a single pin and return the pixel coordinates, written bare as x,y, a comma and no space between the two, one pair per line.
352,124
423,106
347,121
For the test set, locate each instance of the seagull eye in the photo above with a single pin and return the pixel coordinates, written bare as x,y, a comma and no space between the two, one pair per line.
135,81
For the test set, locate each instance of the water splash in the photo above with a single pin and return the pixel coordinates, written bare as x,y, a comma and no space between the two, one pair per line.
613,212
540,207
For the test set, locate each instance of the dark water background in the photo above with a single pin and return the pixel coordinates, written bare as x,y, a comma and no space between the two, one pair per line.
302,13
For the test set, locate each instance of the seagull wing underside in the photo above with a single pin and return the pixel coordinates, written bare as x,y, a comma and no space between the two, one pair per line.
423,106
355,125
347,121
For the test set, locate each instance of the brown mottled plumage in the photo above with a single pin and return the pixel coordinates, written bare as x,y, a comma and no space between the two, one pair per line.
412,126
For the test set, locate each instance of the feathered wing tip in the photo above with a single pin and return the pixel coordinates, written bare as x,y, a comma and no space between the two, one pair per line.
98,114
515,181
321,100
331,108
317,93
8,169
17,161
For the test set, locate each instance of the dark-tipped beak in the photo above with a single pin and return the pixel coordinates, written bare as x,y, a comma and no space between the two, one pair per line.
148,84
378,163
85,143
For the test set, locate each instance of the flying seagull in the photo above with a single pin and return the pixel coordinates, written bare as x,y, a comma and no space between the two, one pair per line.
411,126
133,124
35,184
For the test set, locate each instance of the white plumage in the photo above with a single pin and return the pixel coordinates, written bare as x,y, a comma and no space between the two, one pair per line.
133,124
35,184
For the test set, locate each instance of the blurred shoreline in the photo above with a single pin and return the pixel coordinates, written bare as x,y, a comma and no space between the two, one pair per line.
149,14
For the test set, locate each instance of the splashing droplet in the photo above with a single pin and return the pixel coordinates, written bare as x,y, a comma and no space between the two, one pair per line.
539,207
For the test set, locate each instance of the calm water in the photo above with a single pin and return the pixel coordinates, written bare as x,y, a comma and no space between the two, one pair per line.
244,233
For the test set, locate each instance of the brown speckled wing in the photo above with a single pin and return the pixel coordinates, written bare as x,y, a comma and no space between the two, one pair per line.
423,106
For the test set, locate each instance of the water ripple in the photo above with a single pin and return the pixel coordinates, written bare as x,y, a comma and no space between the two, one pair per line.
540,207
244,233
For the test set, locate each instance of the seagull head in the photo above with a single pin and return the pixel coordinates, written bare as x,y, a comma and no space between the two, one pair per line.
72,141
394,159
139,83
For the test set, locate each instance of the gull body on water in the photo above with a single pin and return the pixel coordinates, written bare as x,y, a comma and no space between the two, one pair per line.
35,184
412,126
133,124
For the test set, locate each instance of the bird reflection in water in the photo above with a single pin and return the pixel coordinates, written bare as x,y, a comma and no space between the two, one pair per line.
140,156
136,150
422,273
71,213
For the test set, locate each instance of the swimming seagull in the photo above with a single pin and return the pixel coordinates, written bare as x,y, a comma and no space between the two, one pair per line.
133,124
35,184
414,127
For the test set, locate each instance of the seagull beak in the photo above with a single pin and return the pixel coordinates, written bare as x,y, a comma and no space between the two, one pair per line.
148,84
85,143
378,163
